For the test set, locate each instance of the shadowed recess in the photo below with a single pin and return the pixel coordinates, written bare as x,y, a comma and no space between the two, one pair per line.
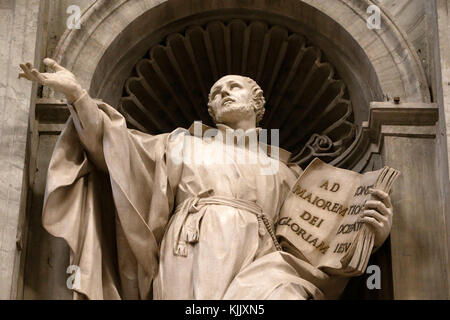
306,99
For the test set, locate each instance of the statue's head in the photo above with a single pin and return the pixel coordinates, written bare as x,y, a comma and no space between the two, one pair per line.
235,97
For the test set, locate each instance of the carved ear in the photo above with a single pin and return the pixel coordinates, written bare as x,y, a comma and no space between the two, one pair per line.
212,114
260,114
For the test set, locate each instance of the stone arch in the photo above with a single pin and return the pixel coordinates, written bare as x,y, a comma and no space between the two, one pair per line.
395,63
305,97
376,65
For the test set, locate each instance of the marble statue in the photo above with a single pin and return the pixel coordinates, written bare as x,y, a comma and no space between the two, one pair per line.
141,224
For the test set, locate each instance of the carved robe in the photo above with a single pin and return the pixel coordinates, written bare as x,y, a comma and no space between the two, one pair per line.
141,224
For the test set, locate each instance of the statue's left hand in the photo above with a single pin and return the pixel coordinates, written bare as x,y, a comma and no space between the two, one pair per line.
378,214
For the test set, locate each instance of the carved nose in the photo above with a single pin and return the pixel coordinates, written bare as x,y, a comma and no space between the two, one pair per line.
225,93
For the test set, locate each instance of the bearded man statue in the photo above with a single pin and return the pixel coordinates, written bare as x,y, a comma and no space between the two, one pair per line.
154,217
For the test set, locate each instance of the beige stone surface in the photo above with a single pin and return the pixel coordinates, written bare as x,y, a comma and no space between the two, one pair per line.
237,203
443,19
418,237
407,136
393,57
56,17
410,16
18,22
100,53
45,277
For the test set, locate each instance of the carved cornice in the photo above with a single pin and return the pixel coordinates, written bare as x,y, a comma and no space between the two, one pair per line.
51,115
405,114
386,118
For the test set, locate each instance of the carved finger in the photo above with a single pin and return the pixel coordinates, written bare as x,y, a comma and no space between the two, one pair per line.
30,67
52,64
378,205
24,75
372,221
383,196
374,214
24,68
28,73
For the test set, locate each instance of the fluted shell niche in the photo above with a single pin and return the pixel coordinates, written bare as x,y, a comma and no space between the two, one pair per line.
305,98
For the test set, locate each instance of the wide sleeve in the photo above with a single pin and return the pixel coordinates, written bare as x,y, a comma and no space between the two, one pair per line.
108,195
88,122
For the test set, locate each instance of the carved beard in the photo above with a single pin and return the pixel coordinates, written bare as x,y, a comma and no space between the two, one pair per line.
233,111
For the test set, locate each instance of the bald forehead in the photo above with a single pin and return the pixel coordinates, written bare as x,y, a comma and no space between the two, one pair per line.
240,79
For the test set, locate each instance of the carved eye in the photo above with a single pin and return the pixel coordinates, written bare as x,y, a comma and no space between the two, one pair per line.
215,94
235,86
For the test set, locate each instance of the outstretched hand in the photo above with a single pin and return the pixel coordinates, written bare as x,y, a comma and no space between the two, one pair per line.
62,80
378,215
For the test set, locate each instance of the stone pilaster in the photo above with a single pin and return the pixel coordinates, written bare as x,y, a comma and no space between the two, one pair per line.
18,41
407,136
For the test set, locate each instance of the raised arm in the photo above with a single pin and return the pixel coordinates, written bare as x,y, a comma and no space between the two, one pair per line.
85,113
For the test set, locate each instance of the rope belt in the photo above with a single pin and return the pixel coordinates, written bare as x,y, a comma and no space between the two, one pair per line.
187,226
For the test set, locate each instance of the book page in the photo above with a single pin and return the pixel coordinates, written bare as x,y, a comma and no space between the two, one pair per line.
318,221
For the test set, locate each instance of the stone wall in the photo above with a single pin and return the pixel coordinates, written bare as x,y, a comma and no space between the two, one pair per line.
55,19
32,29
18,43
410,16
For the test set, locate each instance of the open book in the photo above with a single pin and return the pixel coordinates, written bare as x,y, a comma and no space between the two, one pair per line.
318,221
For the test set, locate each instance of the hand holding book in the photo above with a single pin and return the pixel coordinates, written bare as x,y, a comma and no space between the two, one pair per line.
378,214
333,217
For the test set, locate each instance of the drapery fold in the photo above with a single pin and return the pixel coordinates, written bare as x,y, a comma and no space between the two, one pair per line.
114,219
113,222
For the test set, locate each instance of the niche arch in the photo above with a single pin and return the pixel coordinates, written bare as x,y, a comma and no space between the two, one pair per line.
374,65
